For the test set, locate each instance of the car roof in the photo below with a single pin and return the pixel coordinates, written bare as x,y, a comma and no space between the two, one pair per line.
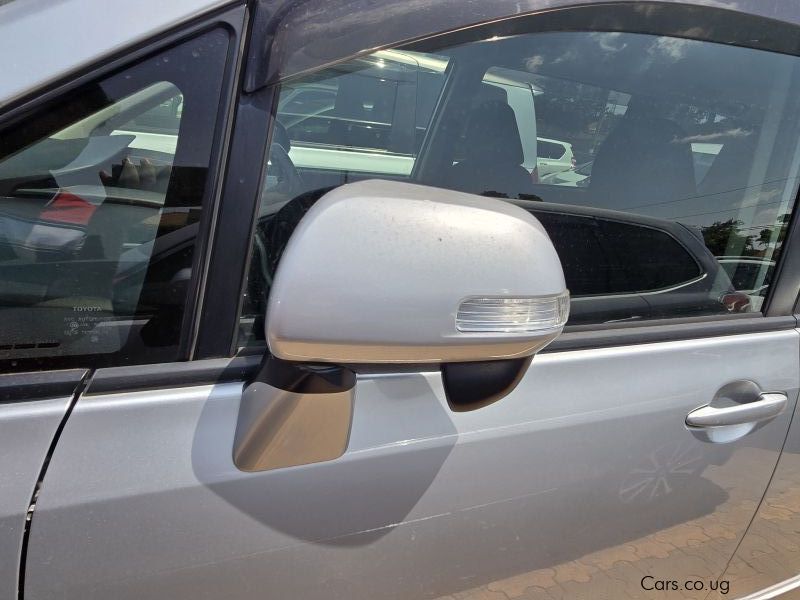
78,33
593,212
552,141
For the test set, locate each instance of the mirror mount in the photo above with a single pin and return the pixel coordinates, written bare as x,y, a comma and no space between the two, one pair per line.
397,276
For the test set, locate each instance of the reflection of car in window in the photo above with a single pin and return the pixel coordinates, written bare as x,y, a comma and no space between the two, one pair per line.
554,156
751,275
621,266
577,177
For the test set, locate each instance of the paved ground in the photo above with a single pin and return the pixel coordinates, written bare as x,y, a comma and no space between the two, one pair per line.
698,549
771,551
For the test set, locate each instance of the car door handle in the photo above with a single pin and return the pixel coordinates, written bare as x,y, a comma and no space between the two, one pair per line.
767,406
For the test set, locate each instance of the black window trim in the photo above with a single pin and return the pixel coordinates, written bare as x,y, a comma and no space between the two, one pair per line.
217,324
40,385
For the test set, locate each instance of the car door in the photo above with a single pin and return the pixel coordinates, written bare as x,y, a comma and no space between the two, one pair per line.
616,466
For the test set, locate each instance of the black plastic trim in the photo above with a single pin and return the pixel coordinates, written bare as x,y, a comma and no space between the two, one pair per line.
237,21
301,378
40,385
218,325
784,296
472,385
174,375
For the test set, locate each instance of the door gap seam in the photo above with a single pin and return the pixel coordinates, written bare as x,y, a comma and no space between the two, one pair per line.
80,388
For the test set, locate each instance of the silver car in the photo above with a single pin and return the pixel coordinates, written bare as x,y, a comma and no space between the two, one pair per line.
288,312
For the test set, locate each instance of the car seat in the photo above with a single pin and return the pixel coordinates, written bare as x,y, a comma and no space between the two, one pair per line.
644,162
493,155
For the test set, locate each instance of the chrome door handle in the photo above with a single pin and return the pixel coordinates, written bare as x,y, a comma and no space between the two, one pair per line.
768,405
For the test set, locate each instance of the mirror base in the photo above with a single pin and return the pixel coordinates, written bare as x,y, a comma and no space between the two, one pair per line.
473,385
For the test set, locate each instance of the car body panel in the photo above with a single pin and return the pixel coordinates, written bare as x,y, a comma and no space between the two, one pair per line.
26,432
433,502
769,553
550,164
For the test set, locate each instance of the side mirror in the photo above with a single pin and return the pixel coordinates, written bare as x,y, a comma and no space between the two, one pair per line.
387,272
383,273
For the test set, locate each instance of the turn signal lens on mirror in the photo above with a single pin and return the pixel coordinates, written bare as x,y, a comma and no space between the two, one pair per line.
512,315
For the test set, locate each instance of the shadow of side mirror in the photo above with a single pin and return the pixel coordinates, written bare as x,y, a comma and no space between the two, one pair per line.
384,273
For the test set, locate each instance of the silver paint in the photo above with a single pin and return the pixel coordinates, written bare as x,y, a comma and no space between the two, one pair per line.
424,502
768,560
26,430
42,41
401,259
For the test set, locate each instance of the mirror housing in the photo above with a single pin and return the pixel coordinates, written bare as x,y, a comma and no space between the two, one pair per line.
389,272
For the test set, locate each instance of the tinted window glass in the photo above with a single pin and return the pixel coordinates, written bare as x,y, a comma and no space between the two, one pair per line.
655,156
163,119
588,266
360,115
648,259
604,257
100,197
